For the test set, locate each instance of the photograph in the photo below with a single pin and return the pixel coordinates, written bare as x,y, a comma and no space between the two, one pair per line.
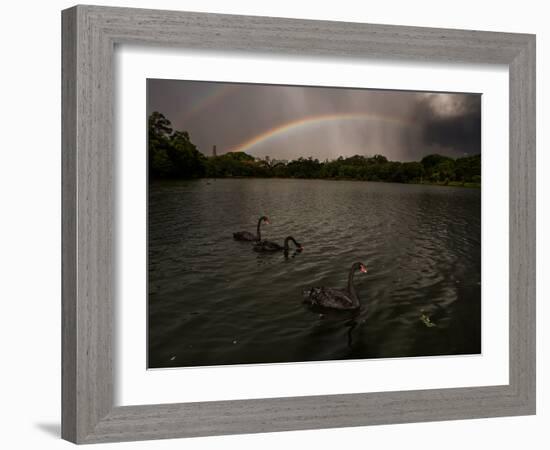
295,224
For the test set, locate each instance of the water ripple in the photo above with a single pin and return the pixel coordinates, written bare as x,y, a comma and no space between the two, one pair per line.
213,300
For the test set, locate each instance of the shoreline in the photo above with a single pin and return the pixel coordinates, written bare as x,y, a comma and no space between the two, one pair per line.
467,185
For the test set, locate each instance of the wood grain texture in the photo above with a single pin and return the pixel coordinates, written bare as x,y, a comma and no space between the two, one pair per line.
88,208
89,36
68,226
523,224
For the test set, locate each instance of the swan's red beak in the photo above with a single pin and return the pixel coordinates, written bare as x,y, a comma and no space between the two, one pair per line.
363,269
267,221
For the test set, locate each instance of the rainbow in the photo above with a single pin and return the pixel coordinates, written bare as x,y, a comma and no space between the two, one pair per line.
216,94
313,121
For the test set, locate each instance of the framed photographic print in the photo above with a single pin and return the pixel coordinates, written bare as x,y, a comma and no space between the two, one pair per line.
221,295
267,222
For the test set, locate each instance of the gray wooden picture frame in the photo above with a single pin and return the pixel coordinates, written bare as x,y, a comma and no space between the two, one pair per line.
89,37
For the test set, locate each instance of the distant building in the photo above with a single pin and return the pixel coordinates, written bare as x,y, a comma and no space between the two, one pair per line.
214,153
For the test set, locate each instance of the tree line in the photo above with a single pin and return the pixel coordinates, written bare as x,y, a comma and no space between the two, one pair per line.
173,155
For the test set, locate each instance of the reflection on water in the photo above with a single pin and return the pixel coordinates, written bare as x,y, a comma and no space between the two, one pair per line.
213,300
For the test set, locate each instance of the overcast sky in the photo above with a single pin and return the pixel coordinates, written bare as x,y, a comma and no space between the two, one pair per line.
286,122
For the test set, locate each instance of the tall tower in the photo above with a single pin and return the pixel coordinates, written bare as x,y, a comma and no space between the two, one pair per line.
214,151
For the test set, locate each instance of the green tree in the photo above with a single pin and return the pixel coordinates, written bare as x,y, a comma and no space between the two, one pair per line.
159,131
186,160
172,154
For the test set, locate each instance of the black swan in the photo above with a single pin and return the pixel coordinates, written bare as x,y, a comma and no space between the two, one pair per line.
247,236
268,246
336,298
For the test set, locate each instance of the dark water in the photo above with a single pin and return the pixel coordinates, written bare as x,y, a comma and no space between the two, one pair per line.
214,301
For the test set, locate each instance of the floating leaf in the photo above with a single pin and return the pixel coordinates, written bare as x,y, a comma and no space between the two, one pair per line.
426,320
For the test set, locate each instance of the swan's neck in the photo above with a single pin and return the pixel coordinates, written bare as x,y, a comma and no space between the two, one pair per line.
258,234
286,243
351,288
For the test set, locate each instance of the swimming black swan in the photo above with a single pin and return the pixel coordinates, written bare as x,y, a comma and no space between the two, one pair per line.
247,236
336,298
268,246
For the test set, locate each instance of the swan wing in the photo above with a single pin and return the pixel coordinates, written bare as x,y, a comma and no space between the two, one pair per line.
244,236
331,298
273,245
267,246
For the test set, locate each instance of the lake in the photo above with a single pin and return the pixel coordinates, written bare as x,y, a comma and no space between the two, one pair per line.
213,300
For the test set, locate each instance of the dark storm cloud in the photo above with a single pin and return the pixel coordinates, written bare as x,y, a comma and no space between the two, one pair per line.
401,125
459,128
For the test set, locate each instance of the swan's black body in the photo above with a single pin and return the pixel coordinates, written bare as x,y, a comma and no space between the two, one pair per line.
334,298
268,246
247,236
